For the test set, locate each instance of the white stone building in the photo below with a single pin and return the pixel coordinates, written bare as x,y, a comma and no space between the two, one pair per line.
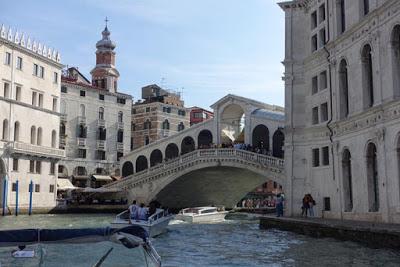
30,78
342,88
95,126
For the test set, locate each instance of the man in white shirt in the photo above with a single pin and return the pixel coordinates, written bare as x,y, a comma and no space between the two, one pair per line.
133,211
142,212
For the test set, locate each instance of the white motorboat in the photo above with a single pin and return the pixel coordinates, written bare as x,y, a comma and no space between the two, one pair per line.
201,214
155,225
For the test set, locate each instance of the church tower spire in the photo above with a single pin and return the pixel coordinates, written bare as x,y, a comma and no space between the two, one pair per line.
104,74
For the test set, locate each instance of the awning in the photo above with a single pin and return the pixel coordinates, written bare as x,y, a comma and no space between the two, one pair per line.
102,178
80,177
64,184
100,190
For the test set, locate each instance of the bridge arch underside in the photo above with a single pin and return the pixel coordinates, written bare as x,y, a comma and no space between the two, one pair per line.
221,185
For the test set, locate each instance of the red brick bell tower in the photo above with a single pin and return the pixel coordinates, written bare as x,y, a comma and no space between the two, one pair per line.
104,74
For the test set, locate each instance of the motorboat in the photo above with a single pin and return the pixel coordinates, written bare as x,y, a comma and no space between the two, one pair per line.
155,225
201,214
129,246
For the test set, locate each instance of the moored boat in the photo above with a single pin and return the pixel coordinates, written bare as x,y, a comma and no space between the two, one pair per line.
155,225
201,214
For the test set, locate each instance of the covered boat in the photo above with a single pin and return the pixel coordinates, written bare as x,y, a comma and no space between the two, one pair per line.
201,214
155,225
127,246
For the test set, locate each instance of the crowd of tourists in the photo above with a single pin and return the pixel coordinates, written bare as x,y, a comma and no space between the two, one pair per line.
257,203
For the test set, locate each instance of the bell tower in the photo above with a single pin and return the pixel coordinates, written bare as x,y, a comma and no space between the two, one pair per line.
104,74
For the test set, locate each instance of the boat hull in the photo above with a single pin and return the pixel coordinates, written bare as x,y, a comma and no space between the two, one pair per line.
153,229
201,218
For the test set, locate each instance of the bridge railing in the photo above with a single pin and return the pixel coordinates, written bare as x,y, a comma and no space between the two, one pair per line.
216,153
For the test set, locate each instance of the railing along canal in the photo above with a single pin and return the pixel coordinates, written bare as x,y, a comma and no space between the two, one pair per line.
217,153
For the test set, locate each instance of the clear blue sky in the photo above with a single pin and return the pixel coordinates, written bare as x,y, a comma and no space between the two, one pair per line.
208,47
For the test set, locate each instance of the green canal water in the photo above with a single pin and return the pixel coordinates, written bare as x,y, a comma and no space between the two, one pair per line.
226,244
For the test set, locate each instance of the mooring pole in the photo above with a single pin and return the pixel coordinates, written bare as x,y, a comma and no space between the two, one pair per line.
30,197
16,198
4,196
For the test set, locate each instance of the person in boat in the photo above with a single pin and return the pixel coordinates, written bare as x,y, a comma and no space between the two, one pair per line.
133,211
152,208
142,212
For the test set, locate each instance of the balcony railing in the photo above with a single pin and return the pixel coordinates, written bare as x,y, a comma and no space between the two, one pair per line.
81,142
120,147
63,117
120,125
101,123
49,152
101,144
81,120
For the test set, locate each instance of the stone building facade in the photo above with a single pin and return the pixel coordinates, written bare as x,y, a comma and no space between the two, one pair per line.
95,121
160,114
342,88
30,78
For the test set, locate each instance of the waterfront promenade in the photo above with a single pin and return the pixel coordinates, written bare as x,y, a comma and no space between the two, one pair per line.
372,234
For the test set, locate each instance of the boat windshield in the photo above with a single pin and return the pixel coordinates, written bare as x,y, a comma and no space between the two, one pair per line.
77,247
208,211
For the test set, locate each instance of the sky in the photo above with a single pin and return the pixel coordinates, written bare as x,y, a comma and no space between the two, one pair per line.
204,49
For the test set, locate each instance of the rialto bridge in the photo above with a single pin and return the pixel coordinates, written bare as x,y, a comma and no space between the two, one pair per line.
198,166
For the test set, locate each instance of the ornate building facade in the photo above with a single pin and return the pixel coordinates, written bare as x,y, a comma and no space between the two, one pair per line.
95,121
30,78
342,88
160,114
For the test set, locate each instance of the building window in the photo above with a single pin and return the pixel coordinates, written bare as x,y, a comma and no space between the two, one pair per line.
322,37
325,156
372,178
36,69
347,181
120,136
37,188
314,43
16,131
315,117
133,127
82,93
313,20
120,117
15,165
82,153
146,141
18,93
315,157
33,135
6,91
32,166
5,130
34,96
148,109
181,112
55,100
55,77
341,16
324,112
101,155
101,97
64,89
51,188
323,81
7,59
52,168
38,167
14,187
367,76
41,74
19,63
165,125
101,113
41,100
121,101
147,125
181,126
365,7
321,11
343,90
119,155
133,111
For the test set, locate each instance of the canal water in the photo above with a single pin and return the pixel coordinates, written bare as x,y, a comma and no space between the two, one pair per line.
230,243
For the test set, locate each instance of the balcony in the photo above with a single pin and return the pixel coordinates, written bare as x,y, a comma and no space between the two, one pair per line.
101,145
120,147
63,117
41,151
120,125
101,123
81,120
81,142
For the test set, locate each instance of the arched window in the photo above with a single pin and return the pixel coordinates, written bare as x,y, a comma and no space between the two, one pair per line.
39,136
101,113
16,131
367,76
372,178
53,138
33,135
5,130
181,126
343,89
82,110
62,129
120,116
165,125
120,136
261,137
347,181
395,44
